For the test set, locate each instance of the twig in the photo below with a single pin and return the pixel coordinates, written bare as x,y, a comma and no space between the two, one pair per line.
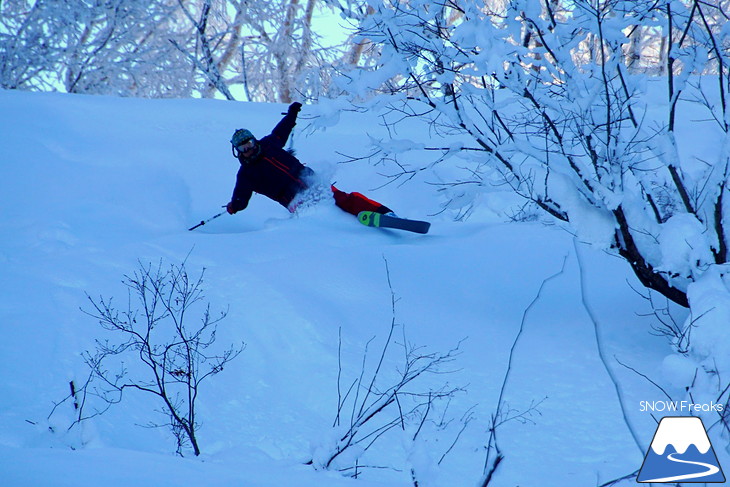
645,377
495,423
620,479
600,347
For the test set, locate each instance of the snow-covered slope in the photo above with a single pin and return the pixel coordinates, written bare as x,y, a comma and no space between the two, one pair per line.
92,185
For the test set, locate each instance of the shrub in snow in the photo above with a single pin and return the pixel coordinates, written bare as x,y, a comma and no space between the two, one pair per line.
155,348
379,401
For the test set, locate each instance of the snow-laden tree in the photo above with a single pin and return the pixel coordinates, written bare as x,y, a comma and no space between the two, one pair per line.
116,47
540,96
582,109
260,51
26,59
236,49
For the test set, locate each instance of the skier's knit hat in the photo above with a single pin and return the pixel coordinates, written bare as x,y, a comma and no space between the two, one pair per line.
240,136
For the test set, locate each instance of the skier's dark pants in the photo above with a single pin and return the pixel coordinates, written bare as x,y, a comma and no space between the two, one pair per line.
354,203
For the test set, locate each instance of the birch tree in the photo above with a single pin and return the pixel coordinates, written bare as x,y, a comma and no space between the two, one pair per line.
234,49
114,47
259,51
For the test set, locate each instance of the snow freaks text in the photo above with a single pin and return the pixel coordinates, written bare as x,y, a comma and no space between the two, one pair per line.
680,407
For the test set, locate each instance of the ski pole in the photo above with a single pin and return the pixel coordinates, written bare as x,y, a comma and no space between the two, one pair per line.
203,222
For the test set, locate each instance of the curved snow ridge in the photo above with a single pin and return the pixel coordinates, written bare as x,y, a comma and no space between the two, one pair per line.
680,432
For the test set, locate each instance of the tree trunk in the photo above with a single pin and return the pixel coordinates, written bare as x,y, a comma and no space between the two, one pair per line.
644,271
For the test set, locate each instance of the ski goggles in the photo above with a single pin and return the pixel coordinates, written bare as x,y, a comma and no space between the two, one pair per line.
246,146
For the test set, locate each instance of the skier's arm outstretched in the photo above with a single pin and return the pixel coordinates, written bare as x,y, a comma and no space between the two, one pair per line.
283,129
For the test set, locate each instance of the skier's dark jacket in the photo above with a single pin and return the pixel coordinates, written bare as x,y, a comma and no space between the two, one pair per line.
272,171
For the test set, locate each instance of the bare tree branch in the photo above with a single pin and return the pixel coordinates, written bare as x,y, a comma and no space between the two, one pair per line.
153,331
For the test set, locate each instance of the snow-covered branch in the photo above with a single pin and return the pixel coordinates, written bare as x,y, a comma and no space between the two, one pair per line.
540,96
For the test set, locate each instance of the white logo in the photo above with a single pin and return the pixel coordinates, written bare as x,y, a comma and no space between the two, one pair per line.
681,451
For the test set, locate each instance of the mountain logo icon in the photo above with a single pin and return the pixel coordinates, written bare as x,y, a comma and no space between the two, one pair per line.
681,452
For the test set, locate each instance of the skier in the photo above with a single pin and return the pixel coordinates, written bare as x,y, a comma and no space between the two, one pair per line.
268,169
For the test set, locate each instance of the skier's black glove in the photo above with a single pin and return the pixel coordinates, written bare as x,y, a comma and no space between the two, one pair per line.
295,107
233,208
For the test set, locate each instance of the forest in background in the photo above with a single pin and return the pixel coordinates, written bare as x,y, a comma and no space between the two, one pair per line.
274,51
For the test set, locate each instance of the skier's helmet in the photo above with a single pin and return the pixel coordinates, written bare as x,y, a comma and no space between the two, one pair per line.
241,136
